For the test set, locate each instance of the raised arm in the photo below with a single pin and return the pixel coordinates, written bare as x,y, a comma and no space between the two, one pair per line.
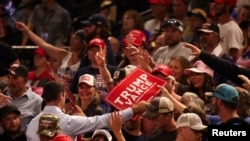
100,59
178,106
115,123
229,70
52,51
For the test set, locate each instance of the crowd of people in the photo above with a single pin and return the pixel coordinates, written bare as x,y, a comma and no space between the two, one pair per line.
199,48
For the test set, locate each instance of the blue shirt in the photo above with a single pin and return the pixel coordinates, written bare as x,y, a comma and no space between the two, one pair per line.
215,119
29,104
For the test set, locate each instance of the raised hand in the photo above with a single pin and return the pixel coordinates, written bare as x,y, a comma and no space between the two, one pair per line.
246,81
164,91
21,27
4,100
100,57
115,121
144,59
195,50
140,107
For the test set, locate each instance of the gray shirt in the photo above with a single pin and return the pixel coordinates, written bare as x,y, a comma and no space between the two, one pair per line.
164,54
51,25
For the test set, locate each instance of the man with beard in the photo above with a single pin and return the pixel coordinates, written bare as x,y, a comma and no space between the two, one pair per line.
97,27
225,102
161,112
173,30
28,102
230,33
131,130
11,124
209,40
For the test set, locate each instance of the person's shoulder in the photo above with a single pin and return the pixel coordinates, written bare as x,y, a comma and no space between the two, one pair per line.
149,21
247,120
111,67
31,75
161,48
236,121
62,9
84,69
35,96
39,7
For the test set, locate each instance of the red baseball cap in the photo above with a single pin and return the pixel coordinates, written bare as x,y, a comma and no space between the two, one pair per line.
40,52
97,42
133,39
163,69
231,2
139,33
62,138
163,2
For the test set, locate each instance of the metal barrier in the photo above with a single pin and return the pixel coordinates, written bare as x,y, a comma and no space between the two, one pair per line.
26,53
34,47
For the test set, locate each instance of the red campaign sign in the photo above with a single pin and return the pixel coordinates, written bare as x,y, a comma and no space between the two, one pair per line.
139,85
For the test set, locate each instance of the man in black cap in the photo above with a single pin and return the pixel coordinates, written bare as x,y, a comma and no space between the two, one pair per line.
172,30
97,26
197,18
11,124
210,39
28,102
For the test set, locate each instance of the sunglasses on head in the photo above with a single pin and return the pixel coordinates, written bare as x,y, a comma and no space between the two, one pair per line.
174,21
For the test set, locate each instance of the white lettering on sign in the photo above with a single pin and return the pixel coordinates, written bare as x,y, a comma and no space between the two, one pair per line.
134,90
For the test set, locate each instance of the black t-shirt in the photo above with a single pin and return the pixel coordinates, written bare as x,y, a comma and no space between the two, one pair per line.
7,56
161,135
129,137
21,137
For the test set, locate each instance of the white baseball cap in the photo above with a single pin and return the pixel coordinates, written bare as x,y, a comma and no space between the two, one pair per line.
190,120
102,132
88,79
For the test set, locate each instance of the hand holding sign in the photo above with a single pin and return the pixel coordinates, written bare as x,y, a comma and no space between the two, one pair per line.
136,87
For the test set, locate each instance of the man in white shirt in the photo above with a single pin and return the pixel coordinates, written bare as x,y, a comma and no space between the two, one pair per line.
158,8
230,33
210,39
73,125
21,96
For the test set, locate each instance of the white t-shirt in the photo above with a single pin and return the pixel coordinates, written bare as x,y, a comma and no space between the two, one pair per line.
65,69
153,26
231,36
